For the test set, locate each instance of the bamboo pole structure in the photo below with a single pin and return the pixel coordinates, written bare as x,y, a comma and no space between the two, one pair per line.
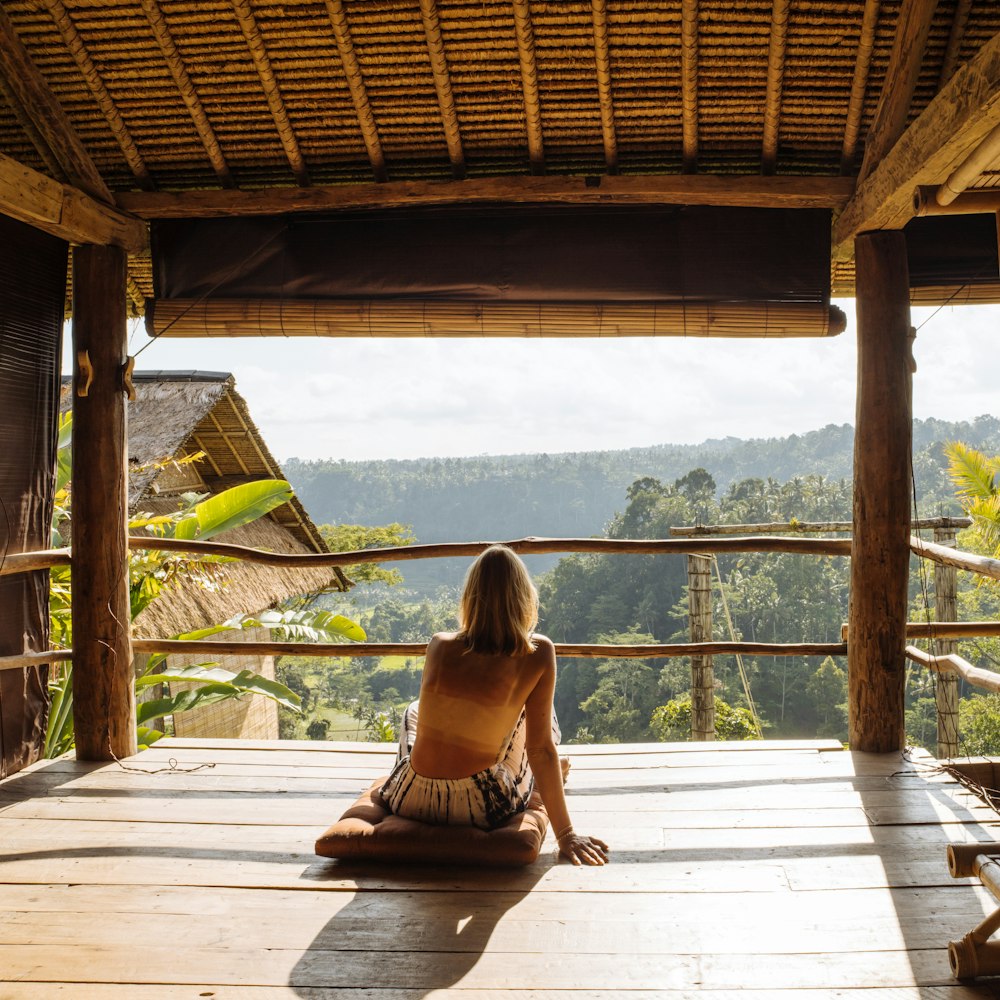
103,693
27,562
35,659
943,630
975,955
204,647
699,574
983,565
523,546
882,447
953,663
804,527
946,684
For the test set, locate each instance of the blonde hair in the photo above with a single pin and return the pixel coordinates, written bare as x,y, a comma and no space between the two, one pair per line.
498,610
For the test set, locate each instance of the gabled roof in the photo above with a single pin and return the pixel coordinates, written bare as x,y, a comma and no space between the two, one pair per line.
181,412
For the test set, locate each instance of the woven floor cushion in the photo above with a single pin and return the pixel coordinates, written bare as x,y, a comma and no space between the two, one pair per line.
368,830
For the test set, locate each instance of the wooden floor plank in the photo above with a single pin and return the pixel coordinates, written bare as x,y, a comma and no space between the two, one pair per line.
615,969
128,991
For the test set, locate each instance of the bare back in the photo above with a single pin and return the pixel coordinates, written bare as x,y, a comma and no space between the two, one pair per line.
469,704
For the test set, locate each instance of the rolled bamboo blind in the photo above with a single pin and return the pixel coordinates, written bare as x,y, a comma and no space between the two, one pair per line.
425,318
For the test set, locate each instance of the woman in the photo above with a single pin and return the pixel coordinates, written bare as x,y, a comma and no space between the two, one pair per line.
483,735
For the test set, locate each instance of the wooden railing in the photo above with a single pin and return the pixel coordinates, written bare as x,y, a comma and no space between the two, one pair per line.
695,542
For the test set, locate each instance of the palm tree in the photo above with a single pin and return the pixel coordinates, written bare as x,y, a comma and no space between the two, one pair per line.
975,475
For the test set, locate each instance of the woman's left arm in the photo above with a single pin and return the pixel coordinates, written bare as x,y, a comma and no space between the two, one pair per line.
543,758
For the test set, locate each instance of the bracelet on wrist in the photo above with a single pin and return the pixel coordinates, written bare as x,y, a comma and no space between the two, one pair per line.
564,832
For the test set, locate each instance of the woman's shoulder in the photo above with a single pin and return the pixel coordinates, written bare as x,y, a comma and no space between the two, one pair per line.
442,642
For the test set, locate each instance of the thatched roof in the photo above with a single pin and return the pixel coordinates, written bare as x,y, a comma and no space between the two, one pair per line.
243,587
178,413
218,95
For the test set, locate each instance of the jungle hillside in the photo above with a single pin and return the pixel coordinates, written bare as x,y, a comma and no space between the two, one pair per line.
634,493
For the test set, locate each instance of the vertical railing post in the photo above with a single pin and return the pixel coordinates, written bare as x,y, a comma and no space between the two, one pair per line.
699,570
946,684
103,686
880,552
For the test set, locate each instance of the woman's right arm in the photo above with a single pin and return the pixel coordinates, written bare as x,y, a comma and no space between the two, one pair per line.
543,757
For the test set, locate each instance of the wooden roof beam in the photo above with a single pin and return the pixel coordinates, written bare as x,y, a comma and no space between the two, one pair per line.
666,189
859,86
187,89
442,84
29,90
64,211
689,85
275,102
529,84
901,77
955,36
105,102
356,84
602,59
775,76
963,113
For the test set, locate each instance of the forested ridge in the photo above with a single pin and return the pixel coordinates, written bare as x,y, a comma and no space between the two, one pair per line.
576,493
641,493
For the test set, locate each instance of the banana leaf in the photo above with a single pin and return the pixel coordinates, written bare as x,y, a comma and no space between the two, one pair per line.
233,507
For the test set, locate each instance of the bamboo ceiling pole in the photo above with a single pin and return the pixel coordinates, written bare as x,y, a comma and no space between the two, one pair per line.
103,698
699,574
881,544
946,684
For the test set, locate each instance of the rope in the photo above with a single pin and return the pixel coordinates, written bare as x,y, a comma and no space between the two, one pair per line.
744,678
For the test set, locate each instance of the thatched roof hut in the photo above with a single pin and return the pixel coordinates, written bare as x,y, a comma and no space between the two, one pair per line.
177,414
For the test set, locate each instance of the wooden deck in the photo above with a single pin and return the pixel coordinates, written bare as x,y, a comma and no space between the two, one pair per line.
769,868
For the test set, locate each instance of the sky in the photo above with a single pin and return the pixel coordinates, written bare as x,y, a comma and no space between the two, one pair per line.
316,398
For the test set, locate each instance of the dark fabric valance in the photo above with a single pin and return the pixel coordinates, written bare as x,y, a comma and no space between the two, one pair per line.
571,255
952,250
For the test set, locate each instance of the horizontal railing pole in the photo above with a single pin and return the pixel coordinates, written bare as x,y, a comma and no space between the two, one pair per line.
983,565
523,546
799,527
955,664
210,648
944,630
28,562
35,659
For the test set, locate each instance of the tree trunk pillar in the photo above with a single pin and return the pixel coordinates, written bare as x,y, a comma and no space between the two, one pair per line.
699,569
103,688
946,685
882,460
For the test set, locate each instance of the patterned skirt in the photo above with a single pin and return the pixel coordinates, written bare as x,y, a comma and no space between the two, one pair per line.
486,799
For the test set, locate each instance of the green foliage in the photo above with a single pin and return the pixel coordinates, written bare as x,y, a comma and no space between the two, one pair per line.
355,537
974,474
979,725
828,689
671,723
921,723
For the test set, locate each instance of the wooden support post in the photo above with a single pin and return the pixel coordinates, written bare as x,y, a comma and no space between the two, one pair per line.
103,690
946,684
882,460
699,570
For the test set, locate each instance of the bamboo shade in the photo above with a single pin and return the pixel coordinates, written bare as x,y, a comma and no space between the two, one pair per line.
425,318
